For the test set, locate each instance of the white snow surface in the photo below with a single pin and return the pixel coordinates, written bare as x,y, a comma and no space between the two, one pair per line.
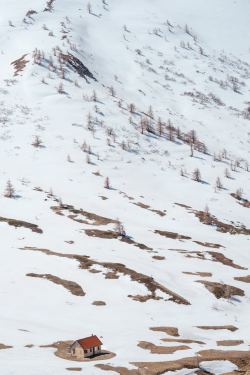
189,61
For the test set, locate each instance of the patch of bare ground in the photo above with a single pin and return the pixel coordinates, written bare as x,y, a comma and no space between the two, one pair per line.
158,257
147,207
19,65
216,257
229,342
202,274
208,219
244,279
242,201
240,358
209,244
226,327
222,290
20,223
71,286
81,216
219,257
99,303
109,234
156,349
184,341
118,268
3,346
172,235
171,331
62,351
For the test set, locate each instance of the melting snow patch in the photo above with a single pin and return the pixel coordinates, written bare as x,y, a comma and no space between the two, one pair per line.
218,367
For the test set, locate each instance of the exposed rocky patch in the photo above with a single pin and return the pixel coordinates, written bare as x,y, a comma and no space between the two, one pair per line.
81,216
99,303
71,286
3,346
147,207
244,279
156,349
229,342
222,290
109,234
20,223
171,331
226,327
172,235
87,263
240,358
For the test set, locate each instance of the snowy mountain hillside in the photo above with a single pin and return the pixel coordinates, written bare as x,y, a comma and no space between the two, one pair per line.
125,201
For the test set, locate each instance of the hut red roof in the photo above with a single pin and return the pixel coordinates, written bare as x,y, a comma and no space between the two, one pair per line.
89,342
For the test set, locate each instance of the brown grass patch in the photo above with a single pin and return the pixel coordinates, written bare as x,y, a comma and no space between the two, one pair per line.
222,290
99,303
71,286
81,216
229,342
3,346
209,244
184,341
244,279
171,331
156,349
109,234
240,358
147,207
227,327
216,257
172,235
20,223
149,282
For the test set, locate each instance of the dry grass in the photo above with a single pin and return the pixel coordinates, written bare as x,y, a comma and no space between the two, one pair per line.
229,342
118,268
3,346
226,327
20,223
244,279
156,349
240,358
171,331
222,290
71,286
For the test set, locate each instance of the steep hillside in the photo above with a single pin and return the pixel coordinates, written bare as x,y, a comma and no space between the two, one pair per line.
124,206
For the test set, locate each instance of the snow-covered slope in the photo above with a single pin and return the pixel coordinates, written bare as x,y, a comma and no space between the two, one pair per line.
149,96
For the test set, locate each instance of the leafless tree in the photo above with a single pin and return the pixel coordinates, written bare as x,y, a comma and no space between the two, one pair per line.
132,108
107,183
37,141
219,183
239,193
119,228
89,8
9,190
227,173
197,175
